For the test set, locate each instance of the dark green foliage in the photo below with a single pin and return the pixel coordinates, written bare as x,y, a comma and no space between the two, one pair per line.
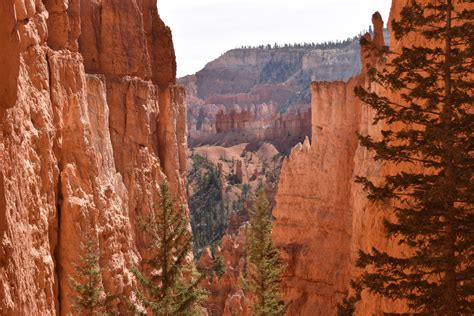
433,198
262,279
219,266
169,283
232,179
278,72
240,205
208,219
347,307
326,45
90,297
245,191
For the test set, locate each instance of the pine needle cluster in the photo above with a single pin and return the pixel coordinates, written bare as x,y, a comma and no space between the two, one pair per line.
169,280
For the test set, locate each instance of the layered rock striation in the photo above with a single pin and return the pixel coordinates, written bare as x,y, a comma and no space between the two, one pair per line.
241,70
91,122
256,124
262,94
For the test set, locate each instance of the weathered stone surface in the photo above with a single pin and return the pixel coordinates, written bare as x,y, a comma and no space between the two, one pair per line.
226,294
64,25
323,217
239,70
9,58
127,38
206,261
160,45
316,216
28,172
262,94
312,200
82,155
251,124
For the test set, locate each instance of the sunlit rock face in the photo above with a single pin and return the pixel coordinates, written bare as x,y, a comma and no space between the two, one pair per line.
227,296
91,122
323,217
262,94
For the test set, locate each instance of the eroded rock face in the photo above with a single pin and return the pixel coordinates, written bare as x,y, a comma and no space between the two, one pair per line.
240,70
262,94
322,216
255,124
9,58
226,294
91,122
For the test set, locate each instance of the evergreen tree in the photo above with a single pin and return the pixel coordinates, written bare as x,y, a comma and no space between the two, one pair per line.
206,204
90,296
262,280
429,133
348,305
219,266
170,283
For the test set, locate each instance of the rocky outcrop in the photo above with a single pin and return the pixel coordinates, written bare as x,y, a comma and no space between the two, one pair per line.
226,294
91,122
9,58
220,181
253,124
240,70
322,216
262,94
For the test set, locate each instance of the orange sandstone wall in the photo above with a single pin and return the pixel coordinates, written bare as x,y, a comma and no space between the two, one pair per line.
253,124
322,217
91,122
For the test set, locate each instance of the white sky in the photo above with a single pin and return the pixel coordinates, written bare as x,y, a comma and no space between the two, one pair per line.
204,29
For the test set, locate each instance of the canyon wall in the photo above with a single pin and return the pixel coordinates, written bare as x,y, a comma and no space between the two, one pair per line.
255,124
226,297
240,70
322,216
91,122
252,95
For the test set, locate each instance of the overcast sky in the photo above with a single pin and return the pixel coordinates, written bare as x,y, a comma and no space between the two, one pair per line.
204,29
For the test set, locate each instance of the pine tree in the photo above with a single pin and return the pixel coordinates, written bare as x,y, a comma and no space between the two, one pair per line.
262,280
90,296
170,285
429,134
348,305
206,204
218,265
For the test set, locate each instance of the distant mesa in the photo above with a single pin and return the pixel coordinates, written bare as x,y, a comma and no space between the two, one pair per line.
255,94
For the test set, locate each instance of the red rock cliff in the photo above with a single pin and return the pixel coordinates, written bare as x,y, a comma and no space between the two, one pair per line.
91,122
253,124
322,217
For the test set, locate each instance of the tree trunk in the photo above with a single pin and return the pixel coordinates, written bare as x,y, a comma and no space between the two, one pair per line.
450,298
